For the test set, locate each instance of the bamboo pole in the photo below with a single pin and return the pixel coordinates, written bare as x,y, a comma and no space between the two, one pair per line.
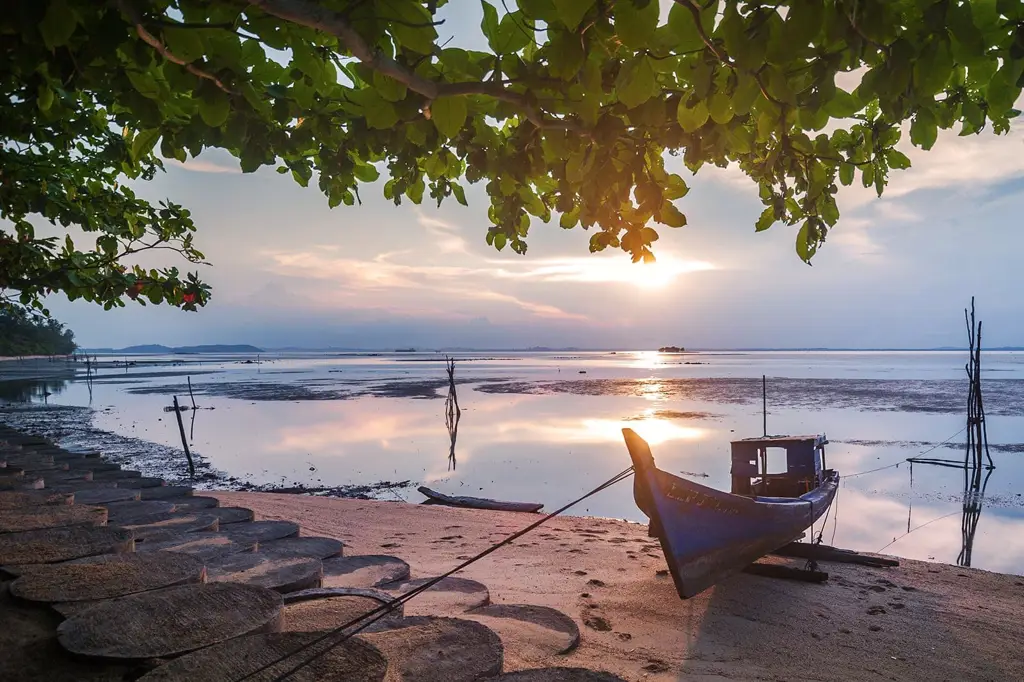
184,442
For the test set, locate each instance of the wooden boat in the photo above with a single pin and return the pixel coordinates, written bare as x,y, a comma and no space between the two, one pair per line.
707,534
434,497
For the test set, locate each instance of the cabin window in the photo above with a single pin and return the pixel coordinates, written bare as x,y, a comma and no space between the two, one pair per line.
777,461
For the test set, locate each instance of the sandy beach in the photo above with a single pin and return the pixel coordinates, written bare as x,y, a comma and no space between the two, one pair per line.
920,621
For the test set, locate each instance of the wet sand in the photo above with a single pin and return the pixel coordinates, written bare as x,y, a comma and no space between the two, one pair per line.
920,621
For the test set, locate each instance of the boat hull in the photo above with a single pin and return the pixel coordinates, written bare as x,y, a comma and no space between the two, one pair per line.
707,534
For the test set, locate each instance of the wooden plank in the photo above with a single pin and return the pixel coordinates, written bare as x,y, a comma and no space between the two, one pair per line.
452,596
171,621
195,502
228,515
106,576
529,633
786,573
351,661
478,502
802,550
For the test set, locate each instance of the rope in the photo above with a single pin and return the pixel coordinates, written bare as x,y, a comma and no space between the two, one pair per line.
907,459
895,540
385,609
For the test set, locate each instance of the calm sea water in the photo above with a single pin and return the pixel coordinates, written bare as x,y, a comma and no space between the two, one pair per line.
547,426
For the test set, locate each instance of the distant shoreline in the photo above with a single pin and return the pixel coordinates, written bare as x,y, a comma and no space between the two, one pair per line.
216,349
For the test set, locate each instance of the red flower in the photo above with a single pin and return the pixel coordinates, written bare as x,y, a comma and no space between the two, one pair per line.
189,298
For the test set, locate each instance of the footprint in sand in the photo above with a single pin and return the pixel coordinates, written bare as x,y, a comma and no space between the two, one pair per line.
597,623
876,610
579,572
595,582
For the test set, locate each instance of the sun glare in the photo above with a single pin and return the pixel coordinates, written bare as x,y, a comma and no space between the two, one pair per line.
659,274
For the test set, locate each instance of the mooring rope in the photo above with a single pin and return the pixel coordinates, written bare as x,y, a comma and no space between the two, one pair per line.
906,459
385,609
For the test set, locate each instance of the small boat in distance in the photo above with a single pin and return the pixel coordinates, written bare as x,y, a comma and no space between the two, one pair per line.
671,349
434,497
707,534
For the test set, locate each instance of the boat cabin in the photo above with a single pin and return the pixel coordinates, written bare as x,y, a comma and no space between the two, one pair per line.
778,466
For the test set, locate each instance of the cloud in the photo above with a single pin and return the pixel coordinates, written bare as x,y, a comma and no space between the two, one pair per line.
203,166
446,235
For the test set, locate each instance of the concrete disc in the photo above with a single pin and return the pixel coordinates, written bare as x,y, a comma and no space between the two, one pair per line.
171,621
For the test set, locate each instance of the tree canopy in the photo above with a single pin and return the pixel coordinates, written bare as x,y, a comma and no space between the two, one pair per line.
569,113
24,334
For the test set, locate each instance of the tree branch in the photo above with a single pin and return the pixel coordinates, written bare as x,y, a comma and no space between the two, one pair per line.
695,10
135,16
311,15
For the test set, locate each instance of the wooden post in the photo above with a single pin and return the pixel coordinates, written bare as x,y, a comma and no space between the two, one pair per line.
184,442
764,402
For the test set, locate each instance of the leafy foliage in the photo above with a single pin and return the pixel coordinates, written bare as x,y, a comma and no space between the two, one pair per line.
24,334
572,110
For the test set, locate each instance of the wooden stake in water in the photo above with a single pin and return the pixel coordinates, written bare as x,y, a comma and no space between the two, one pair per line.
184,442
764,402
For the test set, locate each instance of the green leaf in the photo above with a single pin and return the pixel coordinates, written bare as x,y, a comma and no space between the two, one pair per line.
144,142
636,83
1003,90
684,27
846,171
897,159
692,118
635,25
807,241
388,87
933,68
514,33
672,216
720,108
144,83
766,220
410,23
366,172
842,105
449,114
185,43
571,12
58,24
460,194
675,187
214,108
923,131
490,23
44,97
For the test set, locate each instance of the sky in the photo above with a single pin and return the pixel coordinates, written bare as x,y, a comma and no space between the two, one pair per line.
895,272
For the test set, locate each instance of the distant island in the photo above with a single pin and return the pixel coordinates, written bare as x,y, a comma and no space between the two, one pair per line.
157,349
671,349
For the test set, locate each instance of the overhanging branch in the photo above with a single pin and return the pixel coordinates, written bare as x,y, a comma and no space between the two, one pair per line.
312,15
135,16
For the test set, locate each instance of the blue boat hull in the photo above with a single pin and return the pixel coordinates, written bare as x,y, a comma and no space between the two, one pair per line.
707,534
